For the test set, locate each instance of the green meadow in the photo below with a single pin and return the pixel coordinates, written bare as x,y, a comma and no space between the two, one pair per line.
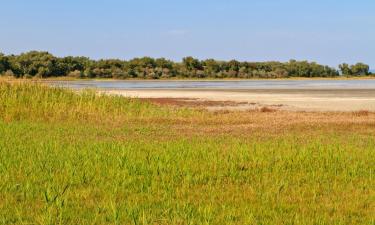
84,158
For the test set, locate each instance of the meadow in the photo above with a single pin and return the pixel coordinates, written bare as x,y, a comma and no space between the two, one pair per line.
84,158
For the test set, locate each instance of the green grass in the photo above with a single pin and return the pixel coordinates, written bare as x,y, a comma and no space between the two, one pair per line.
68,158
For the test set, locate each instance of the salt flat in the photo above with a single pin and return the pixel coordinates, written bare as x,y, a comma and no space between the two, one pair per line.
295,99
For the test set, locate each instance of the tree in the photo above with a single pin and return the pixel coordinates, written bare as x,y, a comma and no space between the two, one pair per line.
192,64
345,69
281,72
360,69
211,67
44,64
4,63
88,73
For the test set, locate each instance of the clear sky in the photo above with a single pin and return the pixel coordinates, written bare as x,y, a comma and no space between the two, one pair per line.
326,31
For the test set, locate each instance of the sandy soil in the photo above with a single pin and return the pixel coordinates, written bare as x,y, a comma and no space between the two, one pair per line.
295,100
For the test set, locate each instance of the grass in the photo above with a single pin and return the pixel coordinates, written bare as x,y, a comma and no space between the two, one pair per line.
69,158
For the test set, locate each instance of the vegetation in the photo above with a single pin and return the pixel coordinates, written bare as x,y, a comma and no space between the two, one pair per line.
43,64
358,69
69,158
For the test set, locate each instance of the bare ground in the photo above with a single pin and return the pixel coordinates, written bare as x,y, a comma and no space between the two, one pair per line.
278,99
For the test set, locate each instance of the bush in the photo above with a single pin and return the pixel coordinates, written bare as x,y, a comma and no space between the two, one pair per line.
28,76
9,73
75,74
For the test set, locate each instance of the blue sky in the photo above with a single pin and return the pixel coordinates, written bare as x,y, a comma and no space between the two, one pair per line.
326,31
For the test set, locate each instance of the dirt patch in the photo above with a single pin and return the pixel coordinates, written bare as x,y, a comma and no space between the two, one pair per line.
211,105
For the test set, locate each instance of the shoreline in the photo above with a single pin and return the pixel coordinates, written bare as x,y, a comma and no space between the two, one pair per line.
370,77
291,100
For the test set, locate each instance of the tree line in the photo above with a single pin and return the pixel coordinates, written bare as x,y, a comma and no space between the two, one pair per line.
43,64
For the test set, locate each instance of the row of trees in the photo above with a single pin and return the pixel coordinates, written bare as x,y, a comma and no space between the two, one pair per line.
44,64
358,69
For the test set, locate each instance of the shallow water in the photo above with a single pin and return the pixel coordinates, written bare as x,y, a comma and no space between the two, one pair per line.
241,84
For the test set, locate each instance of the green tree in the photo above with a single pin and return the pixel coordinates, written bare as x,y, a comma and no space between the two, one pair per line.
360,69
44,64
345,69
192,64
4,63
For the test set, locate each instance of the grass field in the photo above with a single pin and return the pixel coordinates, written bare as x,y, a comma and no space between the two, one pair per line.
68,158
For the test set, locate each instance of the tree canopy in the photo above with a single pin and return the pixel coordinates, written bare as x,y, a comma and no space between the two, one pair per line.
43,64
358,69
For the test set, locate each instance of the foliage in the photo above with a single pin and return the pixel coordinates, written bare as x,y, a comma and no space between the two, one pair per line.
358,69
44,64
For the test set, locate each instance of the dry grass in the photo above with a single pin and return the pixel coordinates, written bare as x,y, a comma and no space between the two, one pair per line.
361,113
267,110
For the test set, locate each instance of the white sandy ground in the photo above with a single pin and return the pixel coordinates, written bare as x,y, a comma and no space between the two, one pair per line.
296,100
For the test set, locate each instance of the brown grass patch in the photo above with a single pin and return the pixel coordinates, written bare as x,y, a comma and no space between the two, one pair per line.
267,110
361,113
191,102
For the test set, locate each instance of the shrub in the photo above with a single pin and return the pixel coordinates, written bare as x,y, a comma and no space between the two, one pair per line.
9,73
76,74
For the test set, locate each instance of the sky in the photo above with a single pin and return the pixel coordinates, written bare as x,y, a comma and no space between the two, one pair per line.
326,31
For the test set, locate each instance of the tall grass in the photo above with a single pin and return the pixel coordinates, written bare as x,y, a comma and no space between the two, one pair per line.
39,102
80,158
